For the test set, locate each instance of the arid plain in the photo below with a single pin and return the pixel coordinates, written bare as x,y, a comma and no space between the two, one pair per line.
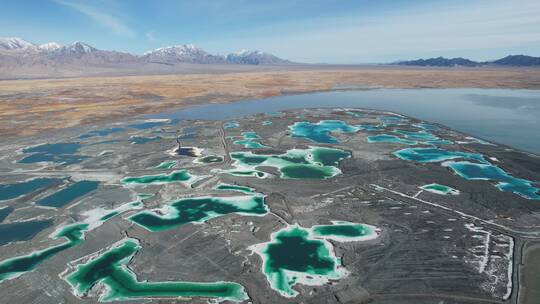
30,106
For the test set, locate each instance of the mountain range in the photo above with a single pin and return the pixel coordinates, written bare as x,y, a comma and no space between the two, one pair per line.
16,52
511,60
23,59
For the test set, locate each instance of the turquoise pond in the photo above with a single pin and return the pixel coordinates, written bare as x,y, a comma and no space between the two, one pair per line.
341,231
440,189
11,191
312,163
428,155
427,127
420,135
409,138
370,127
320,131
57,148
110,269
22,231
139,140
14,267
69,194
166,165
438,142
392,120
179,176
472,171
297,255
386,138
249,144
198,210
102,132
231,125
292,256
64,153
505,182
4,212
228,187
250,140
72,234
109,215
251,135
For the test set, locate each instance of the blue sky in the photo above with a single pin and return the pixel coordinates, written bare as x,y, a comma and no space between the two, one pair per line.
346,31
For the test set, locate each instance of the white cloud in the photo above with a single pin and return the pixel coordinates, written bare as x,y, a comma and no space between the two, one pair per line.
102,18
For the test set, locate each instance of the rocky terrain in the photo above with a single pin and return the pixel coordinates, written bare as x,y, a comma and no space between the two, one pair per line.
424,245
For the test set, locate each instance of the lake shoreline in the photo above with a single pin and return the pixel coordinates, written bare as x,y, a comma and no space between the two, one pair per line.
33,106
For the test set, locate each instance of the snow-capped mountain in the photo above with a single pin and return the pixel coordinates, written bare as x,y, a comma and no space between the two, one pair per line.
255,57
18,54
18,45
14,43
50,46
21,58
179,50
181,53
170,55
80,53
76,48
193,54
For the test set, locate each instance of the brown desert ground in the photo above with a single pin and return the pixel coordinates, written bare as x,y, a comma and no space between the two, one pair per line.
31,106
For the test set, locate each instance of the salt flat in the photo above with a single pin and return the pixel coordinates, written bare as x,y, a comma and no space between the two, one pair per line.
214,226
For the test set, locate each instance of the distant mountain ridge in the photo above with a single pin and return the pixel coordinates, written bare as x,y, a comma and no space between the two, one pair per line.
14,43
255,57
518,60
20,58
52,53
439,61
511,60
182,53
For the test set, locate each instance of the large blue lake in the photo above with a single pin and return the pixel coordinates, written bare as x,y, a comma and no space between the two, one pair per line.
510,117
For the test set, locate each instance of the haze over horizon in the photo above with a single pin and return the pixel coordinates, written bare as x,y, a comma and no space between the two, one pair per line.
311,32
